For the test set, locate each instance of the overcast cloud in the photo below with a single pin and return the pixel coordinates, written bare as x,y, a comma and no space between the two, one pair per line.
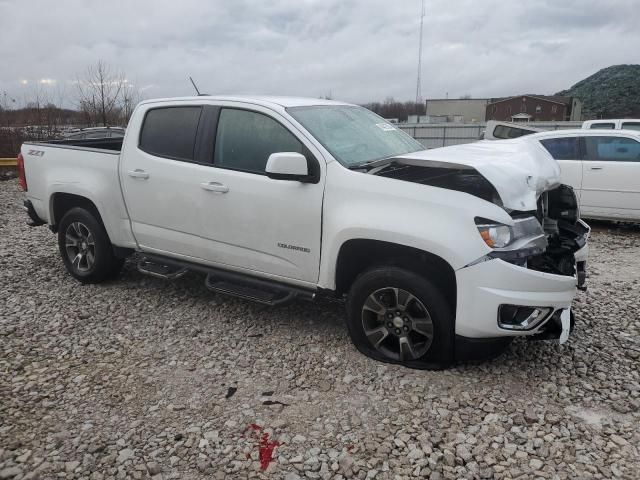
359,50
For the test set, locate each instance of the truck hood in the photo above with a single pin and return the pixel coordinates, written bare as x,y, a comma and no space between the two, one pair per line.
519,170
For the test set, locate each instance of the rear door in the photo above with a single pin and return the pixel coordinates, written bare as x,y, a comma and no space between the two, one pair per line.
161,176
611,184
566,150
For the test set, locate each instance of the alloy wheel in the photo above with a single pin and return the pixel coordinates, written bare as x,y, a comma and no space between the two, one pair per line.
80,247
397,324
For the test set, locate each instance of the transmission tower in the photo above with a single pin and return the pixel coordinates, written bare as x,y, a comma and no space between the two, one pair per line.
419,81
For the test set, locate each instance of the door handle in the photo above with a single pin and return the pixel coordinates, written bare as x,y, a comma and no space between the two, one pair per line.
215,187
138,173
596,168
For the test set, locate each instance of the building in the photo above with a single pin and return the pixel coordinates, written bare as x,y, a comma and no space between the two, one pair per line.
418,119
534,108
461,110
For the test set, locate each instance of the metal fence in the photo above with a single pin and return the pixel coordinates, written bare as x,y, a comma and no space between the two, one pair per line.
434,135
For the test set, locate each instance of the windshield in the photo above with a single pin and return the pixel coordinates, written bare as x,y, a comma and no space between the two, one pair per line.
354,135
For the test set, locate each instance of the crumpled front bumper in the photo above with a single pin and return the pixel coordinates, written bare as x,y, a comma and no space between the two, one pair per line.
485,286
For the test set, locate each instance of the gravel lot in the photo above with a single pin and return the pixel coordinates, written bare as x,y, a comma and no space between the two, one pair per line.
146,378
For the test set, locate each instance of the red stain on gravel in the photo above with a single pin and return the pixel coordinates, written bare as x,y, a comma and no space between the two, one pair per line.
266,447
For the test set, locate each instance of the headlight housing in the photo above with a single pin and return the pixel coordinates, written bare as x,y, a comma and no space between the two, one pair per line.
495,235
525,233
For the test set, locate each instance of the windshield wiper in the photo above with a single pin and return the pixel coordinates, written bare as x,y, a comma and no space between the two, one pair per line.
372,164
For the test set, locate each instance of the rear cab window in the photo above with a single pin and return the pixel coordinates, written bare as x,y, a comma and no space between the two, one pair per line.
603,126
505,132
171,132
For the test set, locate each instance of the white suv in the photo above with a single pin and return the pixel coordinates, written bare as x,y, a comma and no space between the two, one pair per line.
603,167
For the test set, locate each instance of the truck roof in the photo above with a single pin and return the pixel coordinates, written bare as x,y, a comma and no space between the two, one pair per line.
265,100
581,132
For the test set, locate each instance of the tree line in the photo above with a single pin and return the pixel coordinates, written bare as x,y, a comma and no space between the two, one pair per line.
102,96
391,108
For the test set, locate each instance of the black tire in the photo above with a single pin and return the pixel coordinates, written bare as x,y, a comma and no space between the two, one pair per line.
439,351
83,227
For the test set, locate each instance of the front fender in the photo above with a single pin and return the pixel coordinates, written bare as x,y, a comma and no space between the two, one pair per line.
431,219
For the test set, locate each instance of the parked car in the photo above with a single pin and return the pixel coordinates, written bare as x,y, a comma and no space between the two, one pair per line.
617,124
602,167
438,255
95,133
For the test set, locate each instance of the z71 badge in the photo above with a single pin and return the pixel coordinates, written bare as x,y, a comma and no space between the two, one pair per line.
36,153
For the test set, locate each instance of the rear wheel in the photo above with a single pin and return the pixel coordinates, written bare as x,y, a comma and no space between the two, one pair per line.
397,316
85,247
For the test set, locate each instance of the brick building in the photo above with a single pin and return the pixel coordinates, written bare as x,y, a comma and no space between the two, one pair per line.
534,108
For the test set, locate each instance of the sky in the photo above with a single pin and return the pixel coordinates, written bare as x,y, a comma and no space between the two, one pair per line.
352,50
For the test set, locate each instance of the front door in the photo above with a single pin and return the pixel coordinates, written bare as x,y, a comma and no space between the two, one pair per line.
611,182
251,221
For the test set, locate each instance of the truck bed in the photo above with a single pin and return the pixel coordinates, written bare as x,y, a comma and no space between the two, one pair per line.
113,144
86,168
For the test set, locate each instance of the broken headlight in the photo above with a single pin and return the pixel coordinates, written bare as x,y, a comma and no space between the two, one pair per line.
525,233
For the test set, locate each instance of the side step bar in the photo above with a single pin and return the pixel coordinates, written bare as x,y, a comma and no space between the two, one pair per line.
240,285
160,270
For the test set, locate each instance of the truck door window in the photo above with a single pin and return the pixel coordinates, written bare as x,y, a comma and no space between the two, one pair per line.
245,139
565,148
612,149
170,132
631,125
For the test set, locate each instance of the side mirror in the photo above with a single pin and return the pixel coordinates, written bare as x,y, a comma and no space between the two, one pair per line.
287,166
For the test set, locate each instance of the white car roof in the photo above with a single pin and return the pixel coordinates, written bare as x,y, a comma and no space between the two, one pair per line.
611,120
264,100
581,132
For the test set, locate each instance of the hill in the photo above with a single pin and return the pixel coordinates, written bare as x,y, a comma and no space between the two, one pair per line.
613,92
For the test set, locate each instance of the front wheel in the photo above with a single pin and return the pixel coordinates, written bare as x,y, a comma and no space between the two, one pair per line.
398,316
85,247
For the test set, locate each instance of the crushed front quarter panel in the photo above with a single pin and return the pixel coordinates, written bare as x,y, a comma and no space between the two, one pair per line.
519,170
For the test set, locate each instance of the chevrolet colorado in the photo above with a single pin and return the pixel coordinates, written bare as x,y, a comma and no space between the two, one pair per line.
440,255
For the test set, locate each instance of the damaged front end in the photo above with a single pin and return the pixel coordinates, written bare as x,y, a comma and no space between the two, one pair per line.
523,180
545,239
548,238
559,215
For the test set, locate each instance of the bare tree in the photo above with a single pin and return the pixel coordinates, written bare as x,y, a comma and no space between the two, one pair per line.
131,96
100,94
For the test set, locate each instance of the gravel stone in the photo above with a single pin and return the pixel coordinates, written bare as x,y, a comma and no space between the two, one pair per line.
536,464
129,379
10,472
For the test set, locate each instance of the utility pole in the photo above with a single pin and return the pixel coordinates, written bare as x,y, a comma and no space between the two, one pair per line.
419,81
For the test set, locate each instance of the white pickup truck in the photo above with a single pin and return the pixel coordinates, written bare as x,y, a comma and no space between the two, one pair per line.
439,255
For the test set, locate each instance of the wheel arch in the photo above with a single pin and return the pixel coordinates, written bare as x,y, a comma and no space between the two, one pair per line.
357,255
61,202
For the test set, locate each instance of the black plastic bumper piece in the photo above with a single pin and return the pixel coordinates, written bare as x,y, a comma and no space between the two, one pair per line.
553,328
581,268
473,349
34,219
